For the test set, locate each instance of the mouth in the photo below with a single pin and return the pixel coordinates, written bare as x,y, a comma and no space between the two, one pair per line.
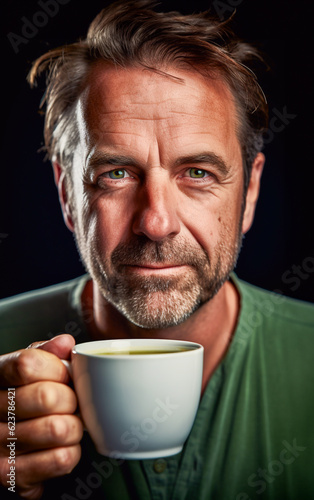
156,269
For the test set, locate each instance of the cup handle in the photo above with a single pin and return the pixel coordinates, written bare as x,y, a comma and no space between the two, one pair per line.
68,366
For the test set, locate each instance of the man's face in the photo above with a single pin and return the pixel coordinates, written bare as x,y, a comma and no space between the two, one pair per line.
158,188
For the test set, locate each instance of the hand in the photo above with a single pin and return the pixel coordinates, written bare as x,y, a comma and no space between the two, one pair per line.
46,431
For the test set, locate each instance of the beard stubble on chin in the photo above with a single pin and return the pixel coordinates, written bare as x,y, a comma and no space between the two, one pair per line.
156,302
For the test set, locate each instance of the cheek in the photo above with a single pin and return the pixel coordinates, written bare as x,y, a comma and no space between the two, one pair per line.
214,222
107,222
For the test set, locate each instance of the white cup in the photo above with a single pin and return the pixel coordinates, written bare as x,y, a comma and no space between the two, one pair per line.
140,405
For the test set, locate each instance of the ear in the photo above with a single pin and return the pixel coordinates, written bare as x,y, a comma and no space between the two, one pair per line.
253,192
59,176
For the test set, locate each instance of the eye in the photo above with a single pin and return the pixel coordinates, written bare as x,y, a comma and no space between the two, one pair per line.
118,173
197,173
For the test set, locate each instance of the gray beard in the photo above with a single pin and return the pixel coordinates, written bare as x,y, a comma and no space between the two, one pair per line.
156,302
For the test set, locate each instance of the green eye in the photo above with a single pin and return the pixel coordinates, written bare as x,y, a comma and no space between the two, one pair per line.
197,173
117,174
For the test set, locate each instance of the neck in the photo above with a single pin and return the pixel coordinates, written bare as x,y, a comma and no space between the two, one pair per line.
212,325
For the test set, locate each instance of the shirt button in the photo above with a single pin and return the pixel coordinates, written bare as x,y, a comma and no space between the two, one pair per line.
160,465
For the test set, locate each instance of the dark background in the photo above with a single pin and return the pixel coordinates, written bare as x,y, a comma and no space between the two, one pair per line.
37,250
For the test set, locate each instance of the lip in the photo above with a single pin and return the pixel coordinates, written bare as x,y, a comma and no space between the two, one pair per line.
156,268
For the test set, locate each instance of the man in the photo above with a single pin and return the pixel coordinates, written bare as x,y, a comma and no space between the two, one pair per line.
154,128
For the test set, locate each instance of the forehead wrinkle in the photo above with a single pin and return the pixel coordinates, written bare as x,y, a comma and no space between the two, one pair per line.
210,108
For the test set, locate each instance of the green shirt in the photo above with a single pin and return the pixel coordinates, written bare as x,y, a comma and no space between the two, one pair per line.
253,436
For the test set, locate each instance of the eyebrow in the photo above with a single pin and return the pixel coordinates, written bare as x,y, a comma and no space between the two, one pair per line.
101,158
208,158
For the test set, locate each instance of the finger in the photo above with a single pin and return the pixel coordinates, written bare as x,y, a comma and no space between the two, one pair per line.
30,365
31,470
38,399
61,346
47,432
44,398
47,464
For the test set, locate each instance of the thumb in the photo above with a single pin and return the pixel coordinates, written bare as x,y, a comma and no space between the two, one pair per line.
61,346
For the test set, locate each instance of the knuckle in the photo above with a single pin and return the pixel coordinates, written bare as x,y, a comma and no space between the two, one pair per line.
65,459
62,459
47,396
23,365
58,429
29,362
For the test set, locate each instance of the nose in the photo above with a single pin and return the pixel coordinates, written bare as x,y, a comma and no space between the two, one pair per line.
156,215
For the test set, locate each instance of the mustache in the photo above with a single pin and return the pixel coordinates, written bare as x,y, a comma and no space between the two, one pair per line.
141,250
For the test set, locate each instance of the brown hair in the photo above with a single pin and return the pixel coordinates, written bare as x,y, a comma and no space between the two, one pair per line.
133,34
